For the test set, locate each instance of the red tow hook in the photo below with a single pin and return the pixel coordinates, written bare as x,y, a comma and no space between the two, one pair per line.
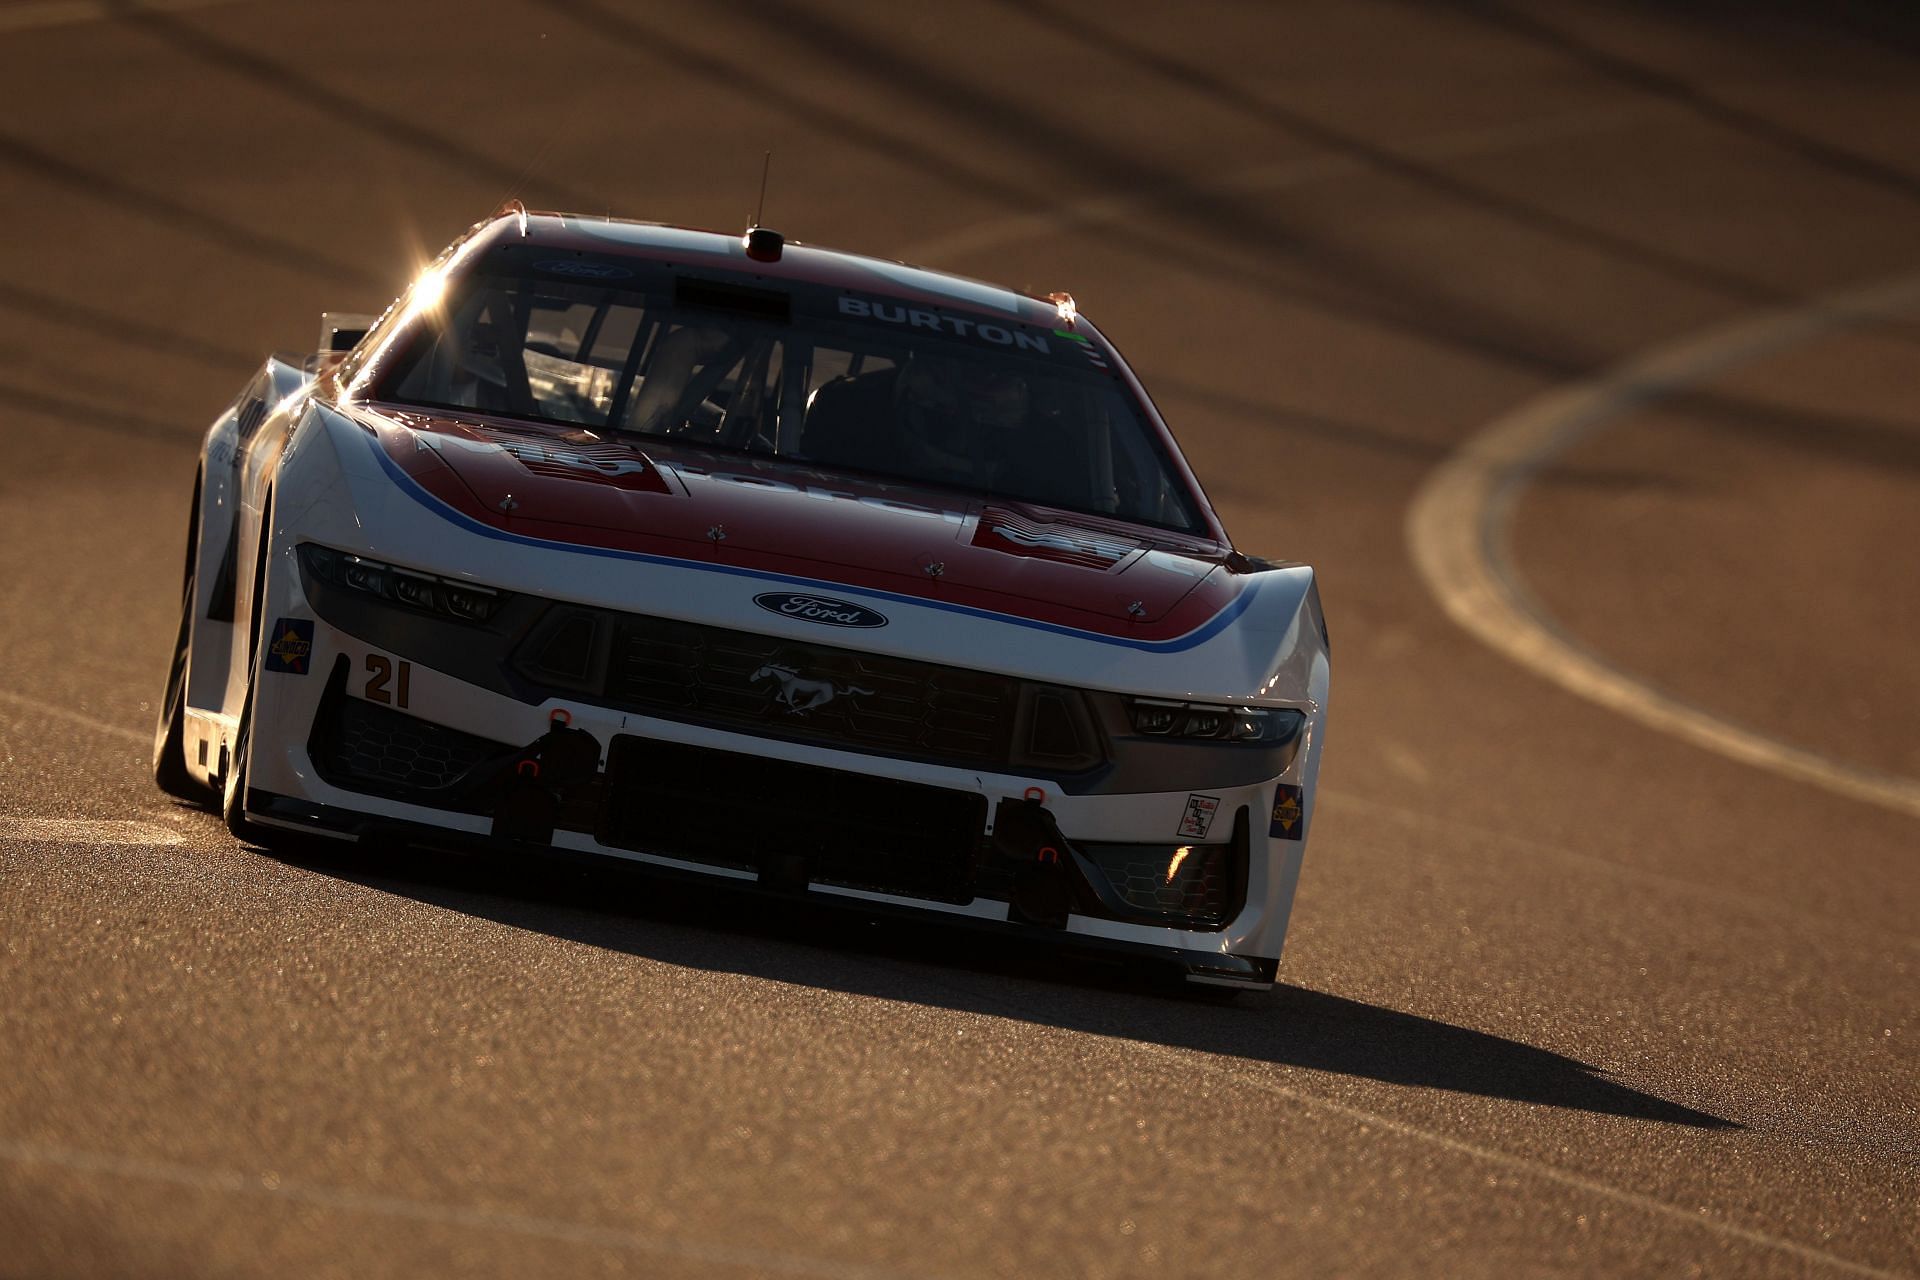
528,805
1043,888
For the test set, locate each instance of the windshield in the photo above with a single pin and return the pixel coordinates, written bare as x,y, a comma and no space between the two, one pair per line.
1038,417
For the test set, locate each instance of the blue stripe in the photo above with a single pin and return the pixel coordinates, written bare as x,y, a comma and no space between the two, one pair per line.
1199,635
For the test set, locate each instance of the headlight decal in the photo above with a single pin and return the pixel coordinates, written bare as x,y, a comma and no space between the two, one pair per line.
1207,722
448,597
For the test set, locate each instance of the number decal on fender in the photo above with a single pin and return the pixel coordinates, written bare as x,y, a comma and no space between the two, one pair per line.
380,671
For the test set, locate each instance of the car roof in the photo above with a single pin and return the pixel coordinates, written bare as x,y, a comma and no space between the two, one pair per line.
798,262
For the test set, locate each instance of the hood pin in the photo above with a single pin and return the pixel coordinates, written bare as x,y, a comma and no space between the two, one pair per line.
507,503
934,568
718,533
1137,610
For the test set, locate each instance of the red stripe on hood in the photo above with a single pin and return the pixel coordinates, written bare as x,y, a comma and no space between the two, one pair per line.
777,517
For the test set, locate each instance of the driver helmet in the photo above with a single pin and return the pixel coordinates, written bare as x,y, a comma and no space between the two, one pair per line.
956,407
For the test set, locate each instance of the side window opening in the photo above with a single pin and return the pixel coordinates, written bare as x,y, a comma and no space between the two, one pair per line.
710,382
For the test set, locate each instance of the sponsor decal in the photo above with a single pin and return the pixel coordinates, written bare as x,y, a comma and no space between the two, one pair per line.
1287,812
960,326
799,694
1086,348
821,609
983,295
582,269
290,645
1198,819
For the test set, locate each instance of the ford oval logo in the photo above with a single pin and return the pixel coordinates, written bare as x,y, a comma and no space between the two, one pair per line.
811,608
589,270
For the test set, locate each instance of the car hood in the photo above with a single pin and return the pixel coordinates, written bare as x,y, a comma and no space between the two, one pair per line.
789,520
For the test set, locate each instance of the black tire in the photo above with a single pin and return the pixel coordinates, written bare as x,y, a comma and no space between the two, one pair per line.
169,731
233,789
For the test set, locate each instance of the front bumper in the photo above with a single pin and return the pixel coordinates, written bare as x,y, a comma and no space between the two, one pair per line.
1004,850
1206,968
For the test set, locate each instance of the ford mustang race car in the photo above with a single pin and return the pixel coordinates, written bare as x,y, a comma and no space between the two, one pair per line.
759,562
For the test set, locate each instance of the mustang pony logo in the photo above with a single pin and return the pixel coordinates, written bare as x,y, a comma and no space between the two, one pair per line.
800,695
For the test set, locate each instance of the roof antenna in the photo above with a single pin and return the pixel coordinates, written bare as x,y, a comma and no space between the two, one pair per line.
761,243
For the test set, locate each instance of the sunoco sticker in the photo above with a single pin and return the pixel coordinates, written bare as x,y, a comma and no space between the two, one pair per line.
1287,812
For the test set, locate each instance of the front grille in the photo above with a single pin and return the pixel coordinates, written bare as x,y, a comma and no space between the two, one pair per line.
798,691
367,747
1194,881
749,812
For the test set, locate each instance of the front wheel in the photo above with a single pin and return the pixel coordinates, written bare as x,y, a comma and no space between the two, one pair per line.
169,731
233,791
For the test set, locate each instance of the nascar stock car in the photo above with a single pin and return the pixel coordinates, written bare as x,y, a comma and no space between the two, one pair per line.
754,561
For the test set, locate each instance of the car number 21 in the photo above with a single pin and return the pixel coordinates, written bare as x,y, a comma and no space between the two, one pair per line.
383,672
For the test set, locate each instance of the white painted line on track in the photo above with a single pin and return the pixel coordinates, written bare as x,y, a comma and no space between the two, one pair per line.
1235,1071
274,1187
75,717
32,15
83,831
1533,1168
1458,525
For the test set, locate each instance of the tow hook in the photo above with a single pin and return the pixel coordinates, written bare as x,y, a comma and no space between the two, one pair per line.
1047,873
529,802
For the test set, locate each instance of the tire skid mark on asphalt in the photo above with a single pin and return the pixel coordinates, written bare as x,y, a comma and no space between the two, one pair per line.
1458,532
1422,820
38,14
81,718
1529,1168
272,1186
1097,211
1227,1070
88,831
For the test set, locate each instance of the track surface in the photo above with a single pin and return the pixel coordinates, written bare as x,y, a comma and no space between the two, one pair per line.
1564,995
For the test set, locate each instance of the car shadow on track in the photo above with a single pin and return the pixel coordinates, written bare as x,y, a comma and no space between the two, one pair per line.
834,948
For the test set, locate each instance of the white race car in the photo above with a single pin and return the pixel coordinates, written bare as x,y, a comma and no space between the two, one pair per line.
748,560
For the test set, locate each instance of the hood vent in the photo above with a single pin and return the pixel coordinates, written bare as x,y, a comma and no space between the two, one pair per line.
1001,530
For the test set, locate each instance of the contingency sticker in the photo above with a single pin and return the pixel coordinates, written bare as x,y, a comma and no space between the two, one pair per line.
290,645
1087,349
1198,819
1287,813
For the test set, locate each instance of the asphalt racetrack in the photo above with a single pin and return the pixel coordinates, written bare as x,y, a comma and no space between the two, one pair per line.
1578,346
